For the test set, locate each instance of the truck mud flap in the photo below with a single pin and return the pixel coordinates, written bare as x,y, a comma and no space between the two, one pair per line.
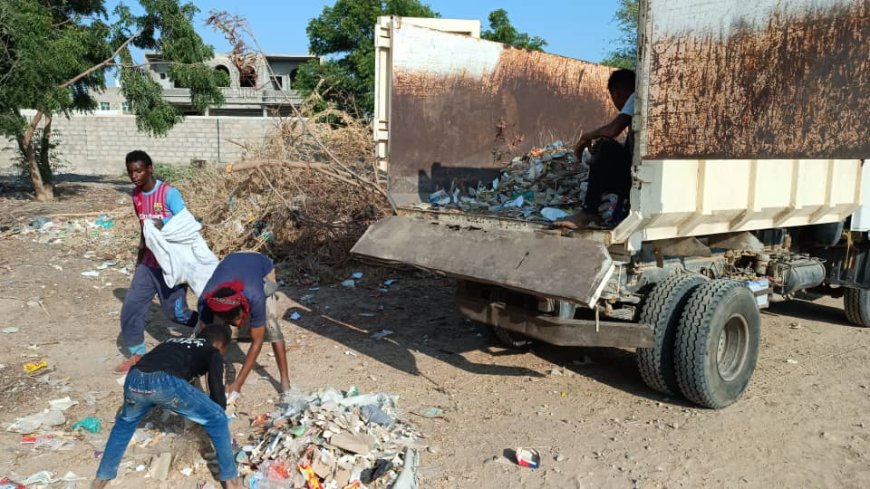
546,265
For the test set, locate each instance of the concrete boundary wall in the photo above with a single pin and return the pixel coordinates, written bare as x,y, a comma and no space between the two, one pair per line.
97,144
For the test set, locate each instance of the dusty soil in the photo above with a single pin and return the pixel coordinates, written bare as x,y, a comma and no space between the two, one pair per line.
804,422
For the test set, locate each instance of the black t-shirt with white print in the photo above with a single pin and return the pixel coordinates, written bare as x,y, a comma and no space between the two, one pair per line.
187,358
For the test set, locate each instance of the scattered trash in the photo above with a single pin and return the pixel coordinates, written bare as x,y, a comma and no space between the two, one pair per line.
382,334
105,265
553,214
431,412
792,361
51,442
104,221
795,325
556,372
31,367
350,353
528,457
91,273
41,223
307,299
46,477
10,329
233,397
349,283
6,483
160,465
295,316
331,440
390,282
187,471
373,414
62,404
356,275
546,184
91,423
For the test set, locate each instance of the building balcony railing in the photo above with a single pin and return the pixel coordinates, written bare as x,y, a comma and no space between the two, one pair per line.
239,96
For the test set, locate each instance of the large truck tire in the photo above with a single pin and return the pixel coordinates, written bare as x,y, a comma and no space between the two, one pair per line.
717,344
661,311
856,302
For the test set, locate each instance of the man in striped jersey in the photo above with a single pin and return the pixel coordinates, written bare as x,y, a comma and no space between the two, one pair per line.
157,201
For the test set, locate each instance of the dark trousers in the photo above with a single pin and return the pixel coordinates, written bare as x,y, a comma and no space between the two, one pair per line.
148,282
609,173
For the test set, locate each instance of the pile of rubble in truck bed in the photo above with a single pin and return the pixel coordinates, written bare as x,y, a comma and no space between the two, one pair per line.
331,440
546,184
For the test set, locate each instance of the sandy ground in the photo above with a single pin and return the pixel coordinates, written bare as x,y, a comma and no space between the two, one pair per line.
804,422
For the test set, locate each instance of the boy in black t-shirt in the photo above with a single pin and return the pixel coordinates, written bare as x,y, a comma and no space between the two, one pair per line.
161,378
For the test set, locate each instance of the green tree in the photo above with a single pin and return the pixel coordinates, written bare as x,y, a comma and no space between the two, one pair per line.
501,30
344,33
624,55
54,54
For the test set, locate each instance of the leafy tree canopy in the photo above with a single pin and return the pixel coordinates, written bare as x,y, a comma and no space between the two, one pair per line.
344,34
501,30
624,55
55,54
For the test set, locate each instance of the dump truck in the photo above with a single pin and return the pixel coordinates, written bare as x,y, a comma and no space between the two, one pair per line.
749,184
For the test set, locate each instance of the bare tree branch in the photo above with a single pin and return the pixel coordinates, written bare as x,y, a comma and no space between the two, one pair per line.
107,62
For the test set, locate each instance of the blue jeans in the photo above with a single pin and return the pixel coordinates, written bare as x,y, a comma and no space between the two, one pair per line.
143,391
148,282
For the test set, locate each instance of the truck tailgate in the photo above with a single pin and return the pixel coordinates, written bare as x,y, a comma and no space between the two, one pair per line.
543,264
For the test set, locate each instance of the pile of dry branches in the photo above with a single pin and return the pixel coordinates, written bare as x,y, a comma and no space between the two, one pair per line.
305,195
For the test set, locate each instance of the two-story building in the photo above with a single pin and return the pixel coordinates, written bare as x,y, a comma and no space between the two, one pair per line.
264,90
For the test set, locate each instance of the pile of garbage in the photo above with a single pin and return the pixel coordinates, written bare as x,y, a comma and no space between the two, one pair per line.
547,184
331,440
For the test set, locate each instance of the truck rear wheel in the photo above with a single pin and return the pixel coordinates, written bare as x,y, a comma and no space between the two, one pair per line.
856,302
717,343
661,311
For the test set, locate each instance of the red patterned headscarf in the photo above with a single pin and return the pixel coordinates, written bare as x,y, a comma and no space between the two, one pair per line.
226,304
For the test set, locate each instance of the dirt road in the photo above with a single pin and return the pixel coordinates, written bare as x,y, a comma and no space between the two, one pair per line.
805,421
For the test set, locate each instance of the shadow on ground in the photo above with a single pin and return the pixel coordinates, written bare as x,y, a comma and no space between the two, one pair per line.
434,328
67,186
810,311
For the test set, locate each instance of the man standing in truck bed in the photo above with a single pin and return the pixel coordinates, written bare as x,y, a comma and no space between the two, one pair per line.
610,168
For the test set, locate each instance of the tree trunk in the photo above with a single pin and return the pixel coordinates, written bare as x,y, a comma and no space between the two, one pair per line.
44,191
45,153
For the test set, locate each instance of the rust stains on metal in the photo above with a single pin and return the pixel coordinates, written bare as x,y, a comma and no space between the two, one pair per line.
798,87
564,268
461,128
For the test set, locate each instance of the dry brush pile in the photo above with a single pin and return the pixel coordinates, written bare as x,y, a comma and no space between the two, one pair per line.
303,196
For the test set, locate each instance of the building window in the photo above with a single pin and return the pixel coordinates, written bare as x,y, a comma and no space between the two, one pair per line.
125,106
105,106
223,75
162,76
277,82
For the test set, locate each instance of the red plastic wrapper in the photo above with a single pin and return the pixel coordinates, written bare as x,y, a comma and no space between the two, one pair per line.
528,457
8,484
